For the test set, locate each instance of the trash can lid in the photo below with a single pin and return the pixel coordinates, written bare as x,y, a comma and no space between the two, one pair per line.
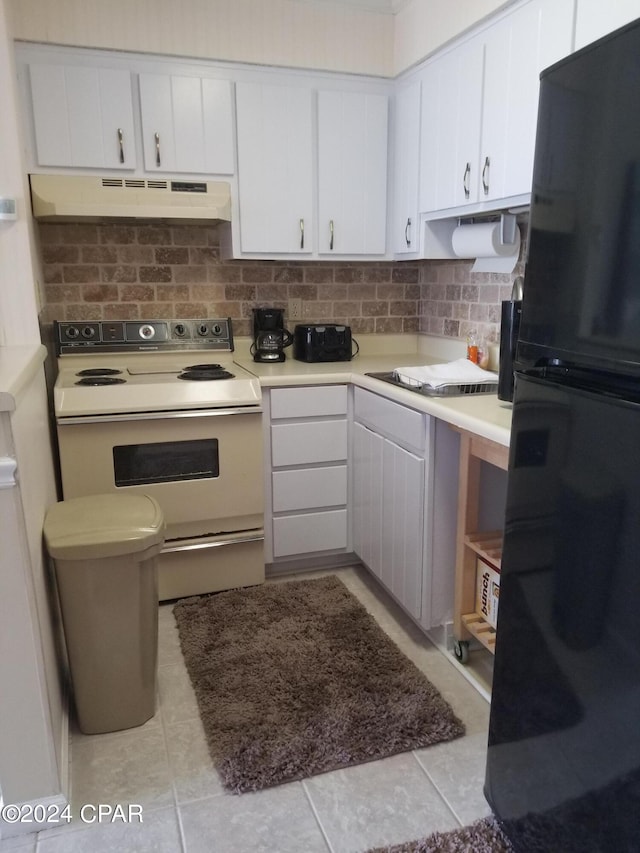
108,525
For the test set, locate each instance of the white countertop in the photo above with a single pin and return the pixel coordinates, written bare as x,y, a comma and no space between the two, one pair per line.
18,365
481,414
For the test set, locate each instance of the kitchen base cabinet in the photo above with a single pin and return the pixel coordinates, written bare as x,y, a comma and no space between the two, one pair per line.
307,482
392,451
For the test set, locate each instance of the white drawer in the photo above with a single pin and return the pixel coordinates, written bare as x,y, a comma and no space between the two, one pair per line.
305,534
315,401
397,422
302,443
309,488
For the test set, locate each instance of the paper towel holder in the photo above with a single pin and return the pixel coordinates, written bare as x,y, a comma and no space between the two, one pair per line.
508,226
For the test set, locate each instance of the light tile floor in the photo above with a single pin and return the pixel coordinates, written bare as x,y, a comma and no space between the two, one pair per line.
164,767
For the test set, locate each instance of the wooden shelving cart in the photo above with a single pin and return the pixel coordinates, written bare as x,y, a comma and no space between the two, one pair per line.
473,543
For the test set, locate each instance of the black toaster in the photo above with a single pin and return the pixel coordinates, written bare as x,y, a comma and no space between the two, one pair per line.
322,342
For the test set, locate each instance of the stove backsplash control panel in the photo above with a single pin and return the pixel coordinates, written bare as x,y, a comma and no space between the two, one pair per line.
143,336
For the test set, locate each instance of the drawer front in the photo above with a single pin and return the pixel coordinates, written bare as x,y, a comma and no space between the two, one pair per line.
305,534
316,401
309,488
302,443
397,422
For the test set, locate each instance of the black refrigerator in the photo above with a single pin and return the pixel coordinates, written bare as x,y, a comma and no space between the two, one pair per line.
563,763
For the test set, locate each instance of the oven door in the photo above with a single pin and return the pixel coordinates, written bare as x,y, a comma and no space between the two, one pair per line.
204,468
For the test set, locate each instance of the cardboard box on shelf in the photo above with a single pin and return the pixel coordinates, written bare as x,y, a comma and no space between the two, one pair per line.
487,592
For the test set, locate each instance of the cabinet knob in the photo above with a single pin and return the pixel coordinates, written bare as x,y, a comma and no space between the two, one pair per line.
157,139
486,175
465,180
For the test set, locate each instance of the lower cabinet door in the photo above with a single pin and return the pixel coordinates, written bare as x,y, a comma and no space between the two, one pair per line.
388,514
367,497
403,525
309,532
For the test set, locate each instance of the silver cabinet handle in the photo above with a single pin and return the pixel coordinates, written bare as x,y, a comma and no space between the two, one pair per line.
121,144
465,180
157,139
302,233
331,235
407,236
486,173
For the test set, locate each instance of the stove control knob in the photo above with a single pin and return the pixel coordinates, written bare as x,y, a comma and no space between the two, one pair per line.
217,329
147,332
88,332
202,330
180,330
72,332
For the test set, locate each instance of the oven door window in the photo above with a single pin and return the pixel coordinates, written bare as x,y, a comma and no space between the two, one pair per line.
165,462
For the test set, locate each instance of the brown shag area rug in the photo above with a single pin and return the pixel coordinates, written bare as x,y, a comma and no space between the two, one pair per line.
483,836
296,678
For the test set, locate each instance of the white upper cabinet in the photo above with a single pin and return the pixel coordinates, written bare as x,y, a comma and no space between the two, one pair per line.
406,166
479,108
517,49
187,124
352,173
275,168
450,128
83,116
595,19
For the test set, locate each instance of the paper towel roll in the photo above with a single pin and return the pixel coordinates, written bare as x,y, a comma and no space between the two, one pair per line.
483,240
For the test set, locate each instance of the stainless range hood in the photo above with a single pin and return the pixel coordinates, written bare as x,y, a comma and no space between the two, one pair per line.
73,197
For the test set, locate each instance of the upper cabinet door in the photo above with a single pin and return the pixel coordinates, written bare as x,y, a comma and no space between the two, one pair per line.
83,117
187,124
517,48
275,168
450,128
352,173
406,169
595,19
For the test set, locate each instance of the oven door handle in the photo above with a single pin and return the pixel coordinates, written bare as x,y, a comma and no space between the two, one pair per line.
225,539
156,416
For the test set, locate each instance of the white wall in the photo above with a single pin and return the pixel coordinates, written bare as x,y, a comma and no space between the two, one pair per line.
33,729
306,34
317,34
18,302
422,26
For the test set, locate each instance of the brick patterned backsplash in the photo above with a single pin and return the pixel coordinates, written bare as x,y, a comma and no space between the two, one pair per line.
123,271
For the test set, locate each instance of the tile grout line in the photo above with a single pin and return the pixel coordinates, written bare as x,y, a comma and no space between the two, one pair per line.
317,816
436,788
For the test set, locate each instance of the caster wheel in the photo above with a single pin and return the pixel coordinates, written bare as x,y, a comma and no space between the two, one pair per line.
461,650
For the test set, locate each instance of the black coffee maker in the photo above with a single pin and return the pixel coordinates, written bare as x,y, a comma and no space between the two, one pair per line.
509,331
269,335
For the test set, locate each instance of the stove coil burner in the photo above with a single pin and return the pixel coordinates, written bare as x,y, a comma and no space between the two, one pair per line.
99,371
204,372
101,379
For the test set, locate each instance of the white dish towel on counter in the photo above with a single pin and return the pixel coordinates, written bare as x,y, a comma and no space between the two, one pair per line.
459,372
